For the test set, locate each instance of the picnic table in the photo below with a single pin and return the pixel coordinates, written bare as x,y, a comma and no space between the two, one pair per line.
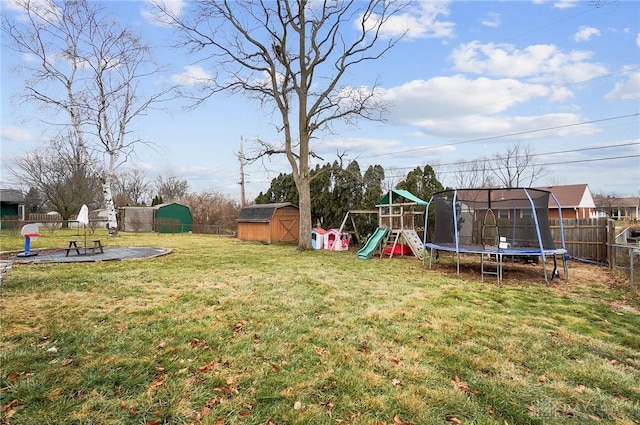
73,246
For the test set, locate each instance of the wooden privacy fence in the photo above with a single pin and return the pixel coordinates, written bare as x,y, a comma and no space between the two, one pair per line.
584,238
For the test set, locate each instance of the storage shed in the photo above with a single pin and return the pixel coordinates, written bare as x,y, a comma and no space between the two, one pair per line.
269,223
162,218
172,218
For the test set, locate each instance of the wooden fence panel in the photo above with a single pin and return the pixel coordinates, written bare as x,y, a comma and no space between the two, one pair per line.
584,238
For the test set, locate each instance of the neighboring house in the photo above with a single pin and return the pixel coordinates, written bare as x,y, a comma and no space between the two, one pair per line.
615,207
12,203
576,201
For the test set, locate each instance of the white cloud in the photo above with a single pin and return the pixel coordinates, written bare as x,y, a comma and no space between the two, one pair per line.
193,75
475,126
173,7
40,9
357,145
585,33
560,4
16,134
565,4
540,63
638,40
627,89
491,20
458,96
420,21
459,107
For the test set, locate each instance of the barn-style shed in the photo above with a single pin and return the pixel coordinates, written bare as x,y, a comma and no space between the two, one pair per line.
172,218
269,223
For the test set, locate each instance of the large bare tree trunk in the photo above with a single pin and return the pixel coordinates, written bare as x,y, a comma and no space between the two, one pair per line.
112,220
304,194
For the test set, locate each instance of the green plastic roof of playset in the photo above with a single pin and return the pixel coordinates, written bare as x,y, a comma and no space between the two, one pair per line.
398,193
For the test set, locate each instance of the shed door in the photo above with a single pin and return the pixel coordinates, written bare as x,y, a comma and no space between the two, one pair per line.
289,227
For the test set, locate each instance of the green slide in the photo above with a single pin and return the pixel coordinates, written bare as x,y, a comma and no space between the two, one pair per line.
373,242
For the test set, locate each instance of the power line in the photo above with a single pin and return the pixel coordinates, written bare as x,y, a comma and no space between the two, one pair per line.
619,145
502,136
575,161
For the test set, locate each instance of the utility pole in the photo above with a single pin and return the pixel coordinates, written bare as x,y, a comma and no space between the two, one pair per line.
243,201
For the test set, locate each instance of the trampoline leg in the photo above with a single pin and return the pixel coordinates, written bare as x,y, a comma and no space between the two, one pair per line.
555,268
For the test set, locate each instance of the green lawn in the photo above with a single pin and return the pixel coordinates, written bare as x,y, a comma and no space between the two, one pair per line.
226,332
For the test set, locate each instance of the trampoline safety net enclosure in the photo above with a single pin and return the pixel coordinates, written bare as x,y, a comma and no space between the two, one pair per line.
499,221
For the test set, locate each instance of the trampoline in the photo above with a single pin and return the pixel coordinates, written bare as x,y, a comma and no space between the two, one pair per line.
495,223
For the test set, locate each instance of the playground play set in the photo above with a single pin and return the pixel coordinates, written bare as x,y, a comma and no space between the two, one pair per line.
496,223
395,235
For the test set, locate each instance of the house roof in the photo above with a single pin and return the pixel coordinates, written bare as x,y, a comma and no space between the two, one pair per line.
616,202
261,213
396,194
11,196
632,201
571,196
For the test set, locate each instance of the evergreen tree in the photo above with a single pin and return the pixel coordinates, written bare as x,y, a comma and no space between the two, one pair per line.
373,178
33,201
282,189
355,187
422,183
321,196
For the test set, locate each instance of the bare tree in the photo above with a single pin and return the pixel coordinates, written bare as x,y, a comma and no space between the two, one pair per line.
474,173
59,173
132,187
517,166
211,208
87,71
294,56
170,188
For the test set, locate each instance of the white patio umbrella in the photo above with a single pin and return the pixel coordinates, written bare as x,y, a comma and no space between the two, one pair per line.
83,218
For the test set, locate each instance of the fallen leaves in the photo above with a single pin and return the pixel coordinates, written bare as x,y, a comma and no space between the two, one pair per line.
156,383
463,386
237,329
198,343
398,421
209,366
491,411
8,410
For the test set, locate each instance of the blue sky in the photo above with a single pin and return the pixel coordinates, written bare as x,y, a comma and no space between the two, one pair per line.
471,79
